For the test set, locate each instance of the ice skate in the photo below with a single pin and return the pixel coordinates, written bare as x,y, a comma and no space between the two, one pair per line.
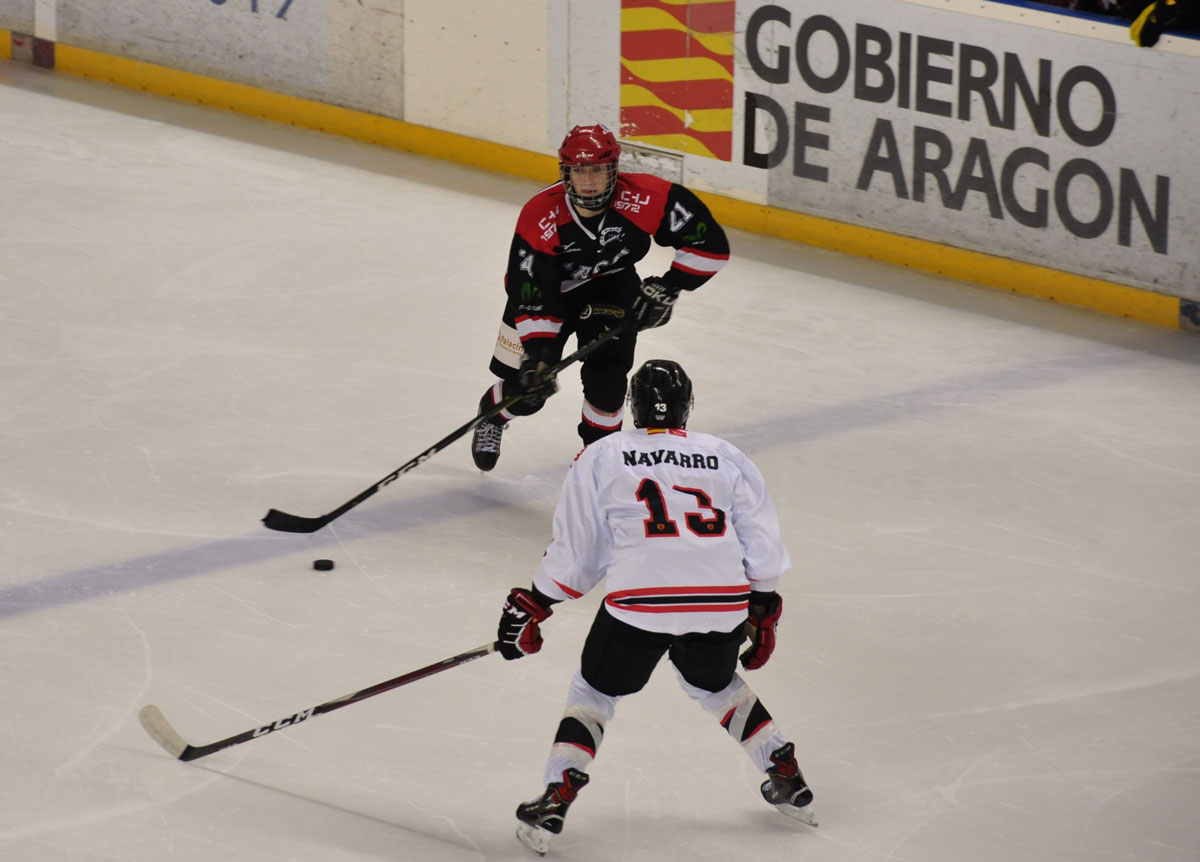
485,444
785,787
542,818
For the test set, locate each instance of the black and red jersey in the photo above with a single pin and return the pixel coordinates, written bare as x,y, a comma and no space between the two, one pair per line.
555,250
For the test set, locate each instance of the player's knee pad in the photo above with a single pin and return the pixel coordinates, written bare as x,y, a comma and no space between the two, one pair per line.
581,729
581,694
720,701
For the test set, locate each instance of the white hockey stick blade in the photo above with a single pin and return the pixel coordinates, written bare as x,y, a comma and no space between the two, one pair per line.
160,730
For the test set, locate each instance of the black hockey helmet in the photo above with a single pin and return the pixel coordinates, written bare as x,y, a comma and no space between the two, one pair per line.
660,395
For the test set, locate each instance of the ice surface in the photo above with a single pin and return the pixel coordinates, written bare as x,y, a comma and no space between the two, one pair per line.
989,649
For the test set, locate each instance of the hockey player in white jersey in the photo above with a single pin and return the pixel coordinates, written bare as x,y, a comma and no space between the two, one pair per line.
683,528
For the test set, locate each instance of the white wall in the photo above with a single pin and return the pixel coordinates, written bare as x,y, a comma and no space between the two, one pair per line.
225,41
1118,192
371,31
471,67
478,69
17,15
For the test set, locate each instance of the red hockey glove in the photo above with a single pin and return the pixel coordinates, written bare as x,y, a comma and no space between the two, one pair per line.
765,610
518,632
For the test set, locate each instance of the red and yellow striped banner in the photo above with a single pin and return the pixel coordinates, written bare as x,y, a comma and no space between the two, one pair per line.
677,74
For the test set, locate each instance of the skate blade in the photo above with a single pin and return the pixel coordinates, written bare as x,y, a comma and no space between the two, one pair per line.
537,840
805,815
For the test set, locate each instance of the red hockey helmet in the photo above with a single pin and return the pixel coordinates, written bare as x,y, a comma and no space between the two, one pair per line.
585,146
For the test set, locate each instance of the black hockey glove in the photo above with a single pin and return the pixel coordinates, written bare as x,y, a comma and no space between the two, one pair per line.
518,632
533,384
652,306
765,610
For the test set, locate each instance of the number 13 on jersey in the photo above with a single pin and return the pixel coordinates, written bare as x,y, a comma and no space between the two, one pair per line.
708,522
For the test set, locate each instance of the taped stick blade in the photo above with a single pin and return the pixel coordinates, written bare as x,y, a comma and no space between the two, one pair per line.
160,730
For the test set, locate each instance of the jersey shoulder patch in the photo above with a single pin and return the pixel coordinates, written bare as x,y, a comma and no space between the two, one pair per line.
645,182
540,217
642,198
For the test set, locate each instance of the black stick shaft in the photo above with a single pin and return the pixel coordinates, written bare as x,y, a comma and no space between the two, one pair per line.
160,729
288,523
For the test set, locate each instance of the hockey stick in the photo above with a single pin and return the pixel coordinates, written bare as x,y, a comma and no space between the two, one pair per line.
288,523
160,729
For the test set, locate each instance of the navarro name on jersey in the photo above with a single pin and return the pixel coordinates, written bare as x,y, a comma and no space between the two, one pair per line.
696,461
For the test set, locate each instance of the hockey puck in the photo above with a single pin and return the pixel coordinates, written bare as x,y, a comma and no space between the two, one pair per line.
322,565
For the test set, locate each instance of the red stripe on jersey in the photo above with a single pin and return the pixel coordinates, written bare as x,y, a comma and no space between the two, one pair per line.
537,317
677,591
538,326
697,262
690,271
702,253
620,599
575,594
682,608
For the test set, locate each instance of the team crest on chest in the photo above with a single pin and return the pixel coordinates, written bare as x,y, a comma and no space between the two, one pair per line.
611,234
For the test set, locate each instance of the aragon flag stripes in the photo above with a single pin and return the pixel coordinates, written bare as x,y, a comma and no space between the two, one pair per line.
677,74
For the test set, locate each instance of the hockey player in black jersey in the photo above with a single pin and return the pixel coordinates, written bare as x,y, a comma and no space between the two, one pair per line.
571,269
688,544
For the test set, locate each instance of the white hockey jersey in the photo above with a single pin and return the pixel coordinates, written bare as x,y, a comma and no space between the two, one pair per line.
680,522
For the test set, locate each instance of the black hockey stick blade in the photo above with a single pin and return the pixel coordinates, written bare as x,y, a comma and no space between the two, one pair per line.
161,731
288,523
